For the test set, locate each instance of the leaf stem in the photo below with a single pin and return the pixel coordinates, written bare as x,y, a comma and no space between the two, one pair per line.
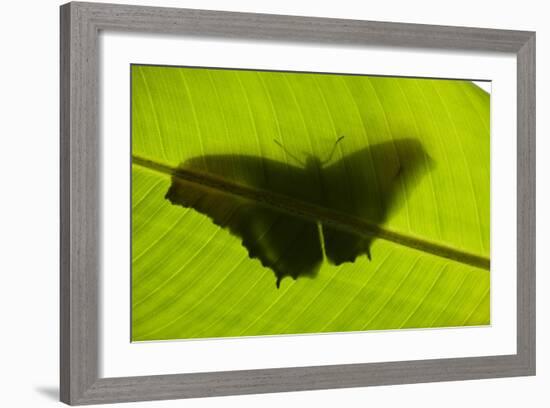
317,213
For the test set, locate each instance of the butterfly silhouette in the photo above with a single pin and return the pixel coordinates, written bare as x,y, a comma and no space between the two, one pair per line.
365,184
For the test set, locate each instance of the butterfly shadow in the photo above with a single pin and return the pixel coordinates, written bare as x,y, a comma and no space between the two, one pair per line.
366,185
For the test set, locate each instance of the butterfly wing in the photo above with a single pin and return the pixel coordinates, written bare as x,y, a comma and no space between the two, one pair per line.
367,184
260,174
287,244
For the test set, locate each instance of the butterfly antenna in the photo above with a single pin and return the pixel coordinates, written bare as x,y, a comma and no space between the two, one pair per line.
333,149
288,153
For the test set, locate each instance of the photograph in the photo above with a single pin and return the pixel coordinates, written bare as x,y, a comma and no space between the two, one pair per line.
284,203
275,204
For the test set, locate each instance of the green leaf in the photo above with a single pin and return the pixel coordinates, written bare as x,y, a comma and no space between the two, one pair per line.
223,158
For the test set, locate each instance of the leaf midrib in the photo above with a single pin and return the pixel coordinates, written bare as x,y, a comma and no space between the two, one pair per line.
317,213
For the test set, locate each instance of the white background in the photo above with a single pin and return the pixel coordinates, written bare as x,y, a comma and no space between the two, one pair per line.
29,205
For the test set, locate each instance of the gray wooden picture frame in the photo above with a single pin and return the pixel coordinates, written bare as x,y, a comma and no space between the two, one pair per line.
80,191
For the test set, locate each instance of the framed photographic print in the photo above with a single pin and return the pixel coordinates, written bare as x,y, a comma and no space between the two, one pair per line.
261,203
